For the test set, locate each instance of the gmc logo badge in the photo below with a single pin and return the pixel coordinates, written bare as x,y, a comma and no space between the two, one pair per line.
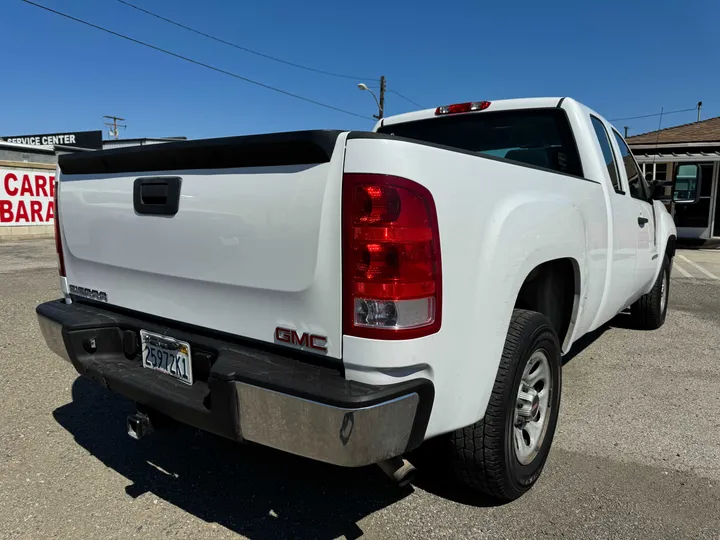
291,337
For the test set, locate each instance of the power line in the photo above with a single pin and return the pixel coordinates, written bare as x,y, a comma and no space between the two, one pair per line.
404,97
654,114
263,55
196,62
246,49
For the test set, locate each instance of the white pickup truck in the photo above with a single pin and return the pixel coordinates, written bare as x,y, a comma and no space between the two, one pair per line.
346,296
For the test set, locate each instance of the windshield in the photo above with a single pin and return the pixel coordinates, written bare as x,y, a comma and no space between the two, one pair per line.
539,137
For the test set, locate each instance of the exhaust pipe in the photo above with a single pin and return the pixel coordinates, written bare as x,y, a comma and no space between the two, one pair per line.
399,469
138,425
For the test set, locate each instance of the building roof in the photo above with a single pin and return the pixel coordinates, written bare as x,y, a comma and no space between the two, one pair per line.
678,157
27,148
703,131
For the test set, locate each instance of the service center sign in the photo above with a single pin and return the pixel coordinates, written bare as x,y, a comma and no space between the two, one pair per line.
26,197
80,139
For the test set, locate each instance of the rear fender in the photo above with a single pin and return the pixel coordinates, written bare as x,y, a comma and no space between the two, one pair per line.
532,229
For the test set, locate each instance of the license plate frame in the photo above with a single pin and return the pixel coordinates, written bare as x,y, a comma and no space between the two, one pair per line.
167,355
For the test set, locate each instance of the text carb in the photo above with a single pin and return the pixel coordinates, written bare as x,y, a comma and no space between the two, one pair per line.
26,197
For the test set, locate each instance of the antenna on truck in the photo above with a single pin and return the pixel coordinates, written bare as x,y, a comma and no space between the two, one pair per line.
657,139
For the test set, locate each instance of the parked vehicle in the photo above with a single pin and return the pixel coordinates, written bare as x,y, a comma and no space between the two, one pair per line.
346,296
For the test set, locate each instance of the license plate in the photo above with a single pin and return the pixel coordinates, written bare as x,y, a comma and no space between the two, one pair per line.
167,355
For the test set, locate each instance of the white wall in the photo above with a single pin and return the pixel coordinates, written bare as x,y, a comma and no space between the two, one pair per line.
26,202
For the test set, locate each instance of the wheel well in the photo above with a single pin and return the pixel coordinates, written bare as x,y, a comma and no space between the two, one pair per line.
552,289
670,249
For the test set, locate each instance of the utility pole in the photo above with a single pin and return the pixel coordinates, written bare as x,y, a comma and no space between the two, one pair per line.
626,128
379,102
112,122
381,107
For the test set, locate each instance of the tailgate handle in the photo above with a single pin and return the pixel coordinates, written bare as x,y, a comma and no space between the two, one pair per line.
159,196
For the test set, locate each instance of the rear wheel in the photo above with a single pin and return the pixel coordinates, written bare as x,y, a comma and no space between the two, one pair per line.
504,453
649,311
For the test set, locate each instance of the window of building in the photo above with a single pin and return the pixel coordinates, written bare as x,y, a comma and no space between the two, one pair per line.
659,171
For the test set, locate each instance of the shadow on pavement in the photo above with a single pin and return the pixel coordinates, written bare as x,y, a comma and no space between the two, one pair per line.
435,475
257,492
622,320
584,342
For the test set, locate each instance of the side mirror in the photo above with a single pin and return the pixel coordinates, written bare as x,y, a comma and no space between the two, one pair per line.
649,178
688,179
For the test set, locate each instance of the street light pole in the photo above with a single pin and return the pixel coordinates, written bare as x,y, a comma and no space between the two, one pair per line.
381,107
379,102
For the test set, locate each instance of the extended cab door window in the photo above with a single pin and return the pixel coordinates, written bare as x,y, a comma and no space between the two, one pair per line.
604,140
639,188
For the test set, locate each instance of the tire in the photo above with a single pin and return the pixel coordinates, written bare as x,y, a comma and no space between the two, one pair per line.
649,312
484,455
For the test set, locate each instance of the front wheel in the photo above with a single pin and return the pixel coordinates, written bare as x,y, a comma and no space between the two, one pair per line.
649,311
504,453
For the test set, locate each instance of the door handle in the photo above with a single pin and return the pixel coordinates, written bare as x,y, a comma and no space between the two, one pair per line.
156,193
642,221
157,196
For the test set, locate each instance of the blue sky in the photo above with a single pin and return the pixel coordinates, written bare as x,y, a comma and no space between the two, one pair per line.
622,58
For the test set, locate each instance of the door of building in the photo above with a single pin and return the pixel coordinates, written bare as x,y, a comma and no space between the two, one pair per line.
716,228
693,199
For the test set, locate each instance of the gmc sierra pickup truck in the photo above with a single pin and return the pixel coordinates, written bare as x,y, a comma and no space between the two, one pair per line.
345,296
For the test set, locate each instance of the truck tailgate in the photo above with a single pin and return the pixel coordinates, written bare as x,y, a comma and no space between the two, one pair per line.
254,244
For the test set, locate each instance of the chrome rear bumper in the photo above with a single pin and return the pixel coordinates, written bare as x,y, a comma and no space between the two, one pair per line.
339,435
248,393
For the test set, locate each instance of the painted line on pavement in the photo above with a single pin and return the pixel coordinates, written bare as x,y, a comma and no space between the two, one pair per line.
706,272
682,270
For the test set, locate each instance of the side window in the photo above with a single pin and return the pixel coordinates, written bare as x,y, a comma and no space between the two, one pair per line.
604,140
638,186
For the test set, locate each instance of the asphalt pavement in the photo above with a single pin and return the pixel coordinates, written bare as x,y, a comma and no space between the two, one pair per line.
636,455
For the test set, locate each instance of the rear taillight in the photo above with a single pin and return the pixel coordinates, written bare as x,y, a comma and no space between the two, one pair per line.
391,258
58,239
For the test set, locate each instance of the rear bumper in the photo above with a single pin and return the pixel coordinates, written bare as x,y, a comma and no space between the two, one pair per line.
244,391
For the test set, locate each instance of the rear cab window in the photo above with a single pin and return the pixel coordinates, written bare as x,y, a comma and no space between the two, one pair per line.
537,137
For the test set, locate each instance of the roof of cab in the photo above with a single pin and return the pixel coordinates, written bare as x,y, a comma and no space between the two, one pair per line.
501,105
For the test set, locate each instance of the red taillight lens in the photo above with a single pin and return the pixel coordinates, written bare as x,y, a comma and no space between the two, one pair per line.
391,258
58,239
456,108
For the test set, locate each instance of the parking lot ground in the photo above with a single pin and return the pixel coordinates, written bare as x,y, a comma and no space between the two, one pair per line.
636,454
701,264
